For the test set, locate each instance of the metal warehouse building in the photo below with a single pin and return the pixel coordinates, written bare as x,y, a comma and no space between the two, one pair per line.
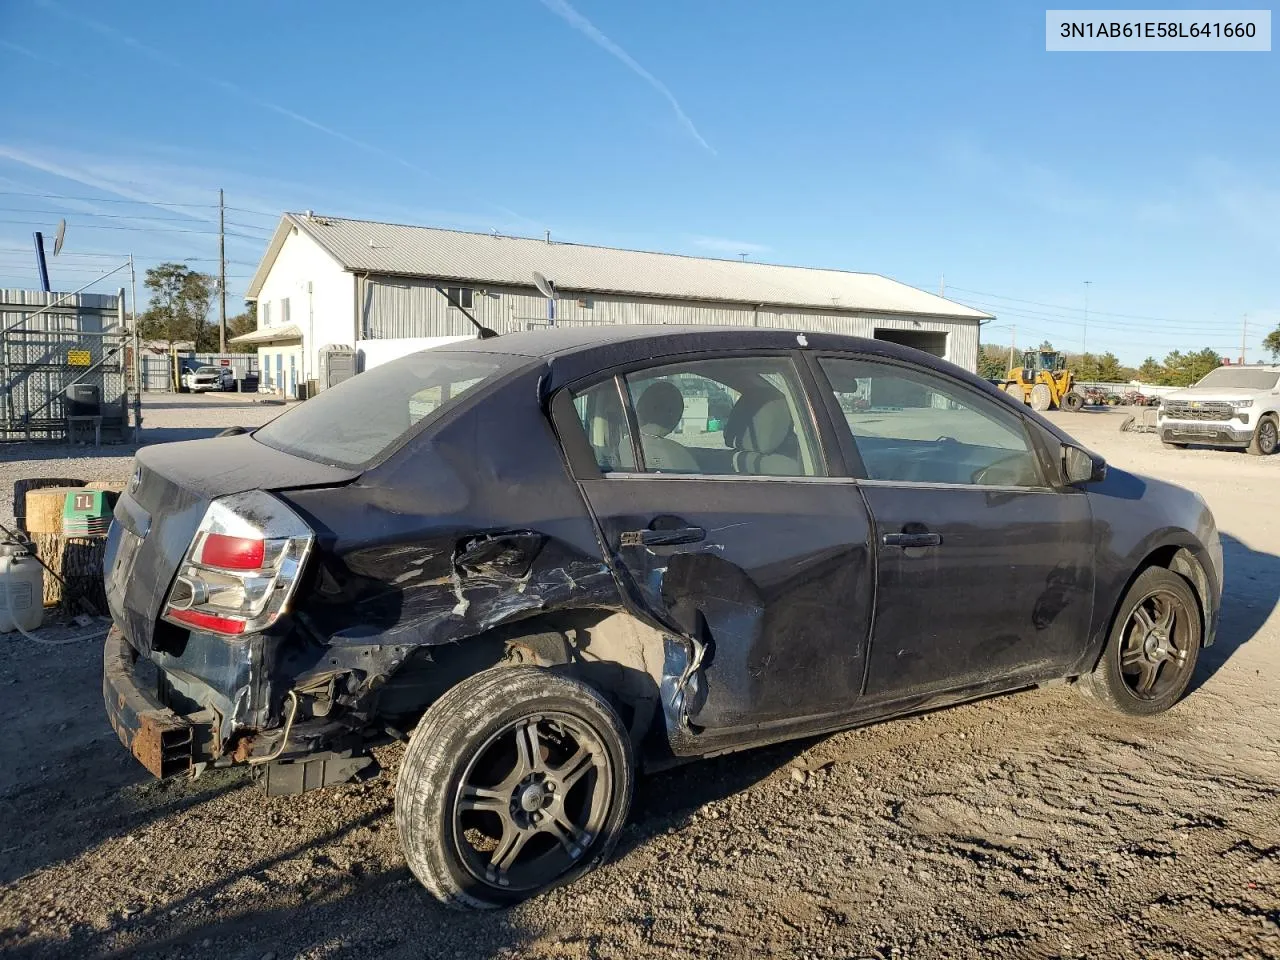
325,280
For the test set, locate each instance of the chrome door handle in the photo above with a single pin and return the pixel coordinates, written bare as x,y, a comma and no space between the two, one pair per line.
662,538
911,539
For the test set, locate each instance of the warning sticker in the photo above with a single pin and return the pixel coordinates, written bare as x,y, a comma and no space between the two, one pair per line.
78,358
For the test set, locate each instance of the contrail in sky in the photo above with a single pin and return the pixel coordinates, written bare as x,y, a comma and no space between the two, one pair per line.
580,23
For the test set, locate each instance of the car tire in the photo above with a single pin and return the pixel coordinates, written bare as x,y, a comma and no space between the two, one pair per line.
1073,402
1041,397
1266,438
1149,660
466,825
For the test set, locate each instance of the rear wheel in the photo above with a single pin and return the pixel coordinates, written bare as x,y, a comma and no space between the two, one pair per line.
516,780
1152,650
1041,397
1265,438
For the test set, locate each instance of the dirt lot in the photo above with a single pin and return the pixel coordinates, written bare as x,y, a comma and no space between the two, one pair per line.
1032,825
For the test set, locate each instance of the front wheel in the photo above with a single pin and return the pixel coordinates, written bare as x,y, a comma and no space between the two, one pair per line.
514,781
1041,397
1265,438
1153,646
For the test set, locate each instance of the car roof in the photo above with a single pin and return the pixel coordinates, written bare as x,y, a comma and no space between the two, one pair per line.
572,352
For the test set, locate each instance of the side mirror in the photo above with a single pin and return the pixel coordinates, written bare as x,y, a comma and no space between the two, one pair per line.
1080,466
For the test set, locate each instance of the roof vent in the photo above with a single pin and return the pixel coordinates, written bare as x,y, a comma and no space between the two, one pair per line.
310,214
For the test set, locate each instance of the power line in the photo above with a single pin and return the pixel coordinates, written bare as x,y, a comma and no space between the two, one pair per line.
1062,306
145,203
1171,326
106,226
107,216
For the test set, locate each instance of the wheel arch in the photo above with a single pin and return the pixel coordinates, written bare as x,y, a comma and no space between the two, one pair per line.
1177,558
611,651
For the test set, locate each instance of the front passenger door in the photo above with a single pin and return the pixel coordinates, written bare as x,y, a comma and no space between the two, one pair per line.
984,564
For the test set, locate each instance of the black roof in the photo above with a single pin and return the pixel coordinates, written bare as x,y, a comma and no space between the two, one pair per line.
577,351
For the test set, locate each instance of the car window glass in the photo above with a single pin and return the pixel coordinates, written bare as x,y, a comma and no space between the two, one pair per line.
604,421
725,417
351,423
914,426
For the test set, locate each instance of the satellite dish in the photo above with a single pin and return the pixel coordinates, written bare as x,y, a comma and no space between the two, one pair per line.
545,286
62,235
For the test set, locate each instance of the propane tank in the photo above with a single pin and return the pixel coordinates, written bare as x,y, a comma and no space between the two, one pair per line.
21,588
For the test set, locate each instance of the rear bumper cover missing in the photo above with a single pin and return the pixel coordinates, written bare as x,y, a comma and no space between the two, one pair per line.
160,739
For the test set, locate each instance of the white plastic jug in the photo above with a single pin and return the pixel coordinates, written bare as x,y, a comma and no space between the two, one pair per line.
21,588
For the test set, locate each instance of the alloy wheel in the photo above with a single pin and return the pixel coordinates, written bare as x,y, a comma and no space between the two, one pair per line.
532,801
1267,437
1155,652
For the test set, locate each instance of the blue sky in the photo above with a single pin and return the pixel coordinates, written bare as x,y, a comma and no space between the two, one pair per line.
915,140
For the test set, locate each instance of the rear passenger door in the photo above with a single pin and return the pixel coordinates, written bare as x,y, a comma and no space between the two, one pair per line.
985,564
720,505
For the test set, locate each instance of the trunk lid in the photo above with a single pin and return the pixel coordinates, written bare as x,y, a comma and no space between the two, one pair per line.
157,515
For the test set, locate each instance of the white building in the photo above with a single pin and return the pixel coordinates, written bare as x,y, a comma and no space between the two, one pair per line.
329,281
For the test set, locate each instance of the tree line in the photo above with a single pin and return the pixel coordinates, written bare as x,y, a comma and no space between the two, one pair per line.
1178,369
179,310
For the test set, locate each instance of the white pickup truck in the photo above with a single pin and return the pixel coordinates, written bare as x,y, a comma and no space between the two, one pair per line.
1236,406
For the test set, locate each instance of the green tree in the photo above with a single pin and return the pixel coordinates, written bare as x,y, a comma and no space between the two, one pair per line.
1184,369
1272,344
180,299
242,323
993,362
1151,371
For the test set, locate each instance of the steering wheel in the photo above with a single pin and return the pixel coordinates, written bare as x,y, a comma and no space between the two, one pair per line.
982,477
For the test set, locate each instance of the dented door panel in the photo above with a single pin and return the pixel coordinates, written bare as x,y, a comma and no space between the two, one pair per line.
775,600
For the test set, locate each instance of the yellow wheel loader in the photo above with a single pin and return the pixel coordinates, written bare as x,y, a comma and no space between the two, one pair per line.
1044,382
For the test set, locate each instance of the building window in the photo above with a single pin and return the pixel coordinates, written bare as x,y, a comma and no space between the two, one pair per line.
460,295
284,311
265,309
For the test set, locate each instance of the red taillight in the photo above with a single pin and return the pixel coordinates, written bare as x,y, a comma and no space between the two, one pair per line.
232,553
242,566
206,621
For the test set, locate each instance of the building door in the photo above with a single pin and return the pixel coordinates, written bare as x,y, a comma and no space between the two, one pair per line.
293,375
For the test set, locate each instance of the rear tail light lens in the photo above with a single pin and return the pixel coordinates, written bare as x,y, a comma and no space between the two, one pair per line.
242,567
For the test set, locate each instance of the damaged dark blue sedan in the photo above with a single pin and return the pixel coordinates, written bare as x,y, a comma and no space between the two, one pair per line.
553,559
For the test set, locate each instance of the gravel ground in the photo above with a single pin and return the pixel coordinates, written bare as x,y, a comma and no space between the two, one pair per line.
1029,826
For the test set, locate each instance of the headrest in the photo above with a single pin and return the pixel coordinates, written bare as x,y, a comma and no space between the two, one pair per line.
659,408
760,422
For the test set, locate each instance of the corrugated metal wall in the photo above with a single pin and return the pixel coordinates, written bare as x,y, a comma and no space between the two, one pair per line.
393,307
41,354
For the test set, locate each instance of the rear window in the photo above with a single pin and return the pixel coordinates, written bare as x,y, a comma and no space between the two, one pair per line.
355,422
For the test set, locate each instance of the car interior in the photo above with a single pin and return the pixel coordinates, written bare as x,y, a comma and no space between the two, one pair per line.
680,431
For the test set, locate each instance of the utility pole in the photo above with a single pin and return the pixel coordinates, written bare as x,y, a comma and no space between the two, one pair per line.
1244,339
1013,343
1084,336
137,355
942,285
222,275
